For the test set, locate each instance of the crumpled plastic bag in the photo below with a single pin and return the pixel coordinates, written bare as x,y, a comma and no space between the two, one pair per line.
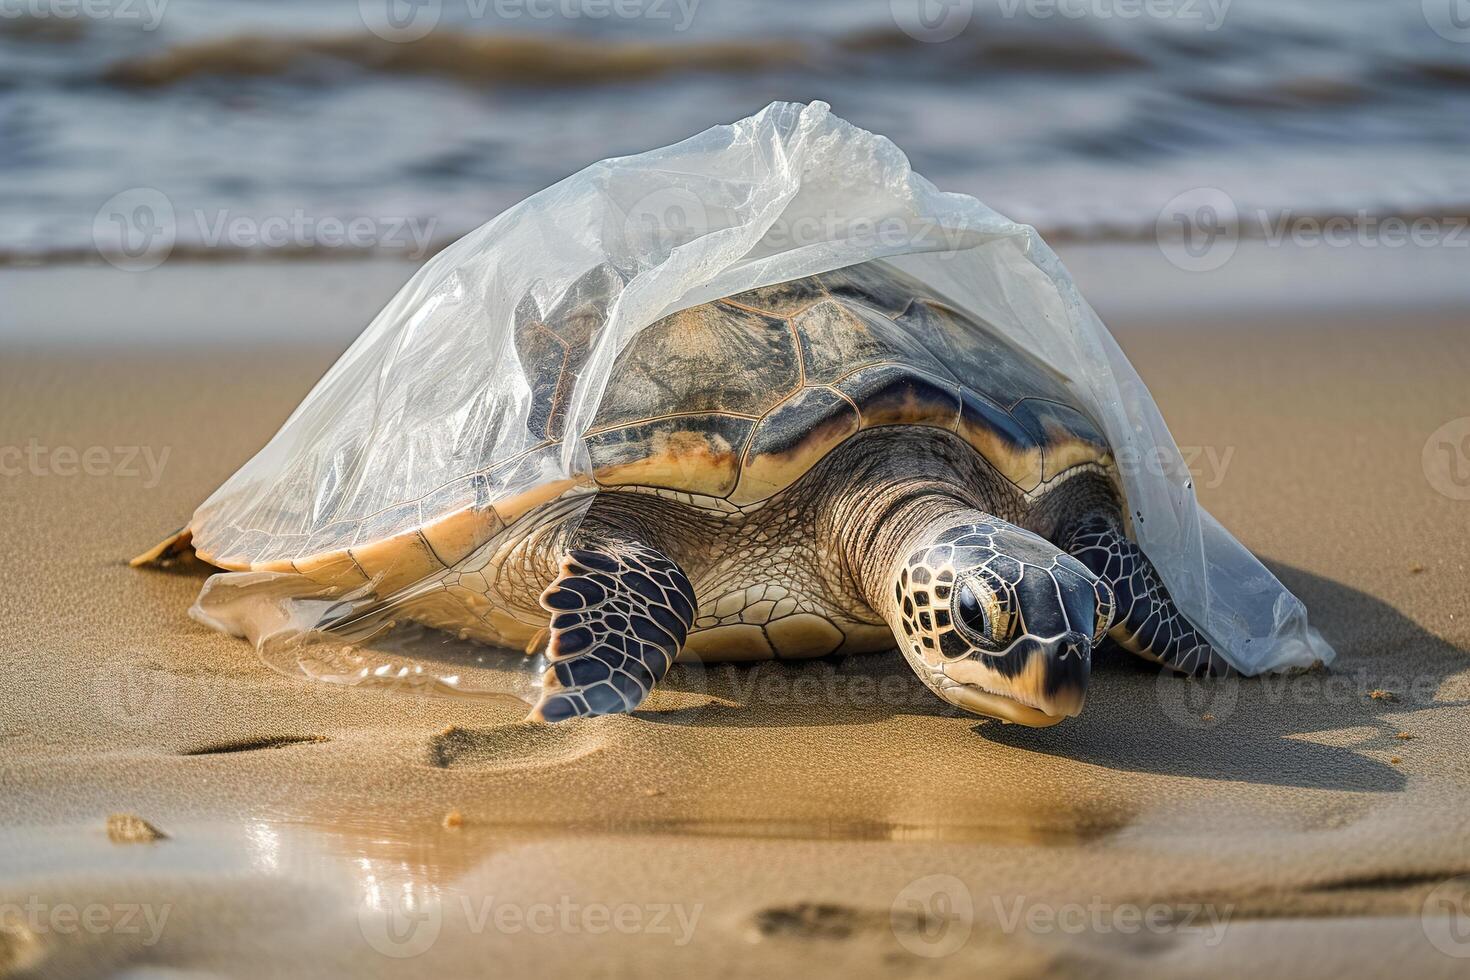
432,396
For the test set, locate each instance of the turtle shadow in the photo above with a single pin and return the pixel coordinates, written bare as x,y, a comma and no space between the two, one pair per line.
1137,719
1258,730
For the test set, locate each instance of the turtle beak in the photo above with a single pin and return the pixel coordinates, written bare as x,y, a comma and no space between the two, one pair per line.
1036,682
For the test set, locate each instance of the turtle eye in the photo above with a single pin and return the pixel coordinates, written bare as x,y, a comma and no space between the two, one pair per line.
973,611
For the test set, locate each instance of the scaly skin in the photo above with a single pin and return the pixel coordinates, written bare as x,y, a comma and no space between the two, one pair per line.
795,577
824,567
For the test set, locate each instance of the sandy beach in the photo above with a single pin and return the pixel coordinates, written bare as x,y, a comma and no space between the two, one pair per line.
206,202
829,819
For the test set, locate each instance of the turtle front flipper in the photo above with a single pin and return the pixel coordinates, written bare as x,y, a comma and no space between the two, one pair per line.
620,614
1146,622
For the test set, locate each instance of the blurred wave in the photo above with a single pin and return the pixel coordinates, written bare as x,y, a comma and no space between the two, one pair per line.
303,116
470,58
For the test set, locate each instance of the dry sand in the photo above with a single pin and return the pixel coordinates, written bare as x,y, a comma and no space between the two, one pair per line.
775,821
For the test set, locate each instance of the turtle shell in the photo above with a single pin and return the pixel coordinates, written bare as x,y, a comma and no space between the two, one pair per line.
736,399
729,403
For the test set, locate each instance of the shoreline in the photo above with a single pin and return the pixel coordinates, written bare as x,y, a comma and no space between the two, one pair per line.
330,301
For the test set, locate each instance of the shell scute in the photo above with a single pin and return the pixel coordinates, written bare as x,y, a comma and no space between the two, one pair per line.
838,338
895,394
782,299
708,359
996,434
795,434
1067,437
694,453
978,356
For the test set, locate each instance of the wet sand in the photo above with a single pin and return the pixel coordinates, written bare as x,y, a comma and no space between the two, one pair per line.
776,820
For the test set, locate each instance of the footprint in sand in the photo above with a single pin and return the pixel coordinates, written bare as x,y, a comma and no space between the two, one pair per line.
520,745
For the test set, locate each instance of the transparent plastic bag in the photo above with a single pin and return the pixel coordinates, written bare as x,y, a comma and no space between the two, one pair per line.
429,412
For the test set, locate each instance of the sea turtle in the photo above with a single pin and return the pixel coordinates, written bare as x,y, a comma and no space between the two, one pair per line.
837,464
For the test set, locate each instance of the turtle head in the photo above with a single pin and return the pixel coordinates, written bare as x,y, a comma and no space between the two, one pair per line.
998,621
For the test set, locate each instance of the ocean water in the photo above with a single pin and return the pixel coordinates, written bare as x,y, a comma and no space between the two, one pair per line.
393,126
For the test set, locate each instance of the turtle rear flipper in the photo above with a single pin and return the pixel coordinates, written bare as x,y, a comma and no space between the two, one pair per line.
620,614
175,546
1147,622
